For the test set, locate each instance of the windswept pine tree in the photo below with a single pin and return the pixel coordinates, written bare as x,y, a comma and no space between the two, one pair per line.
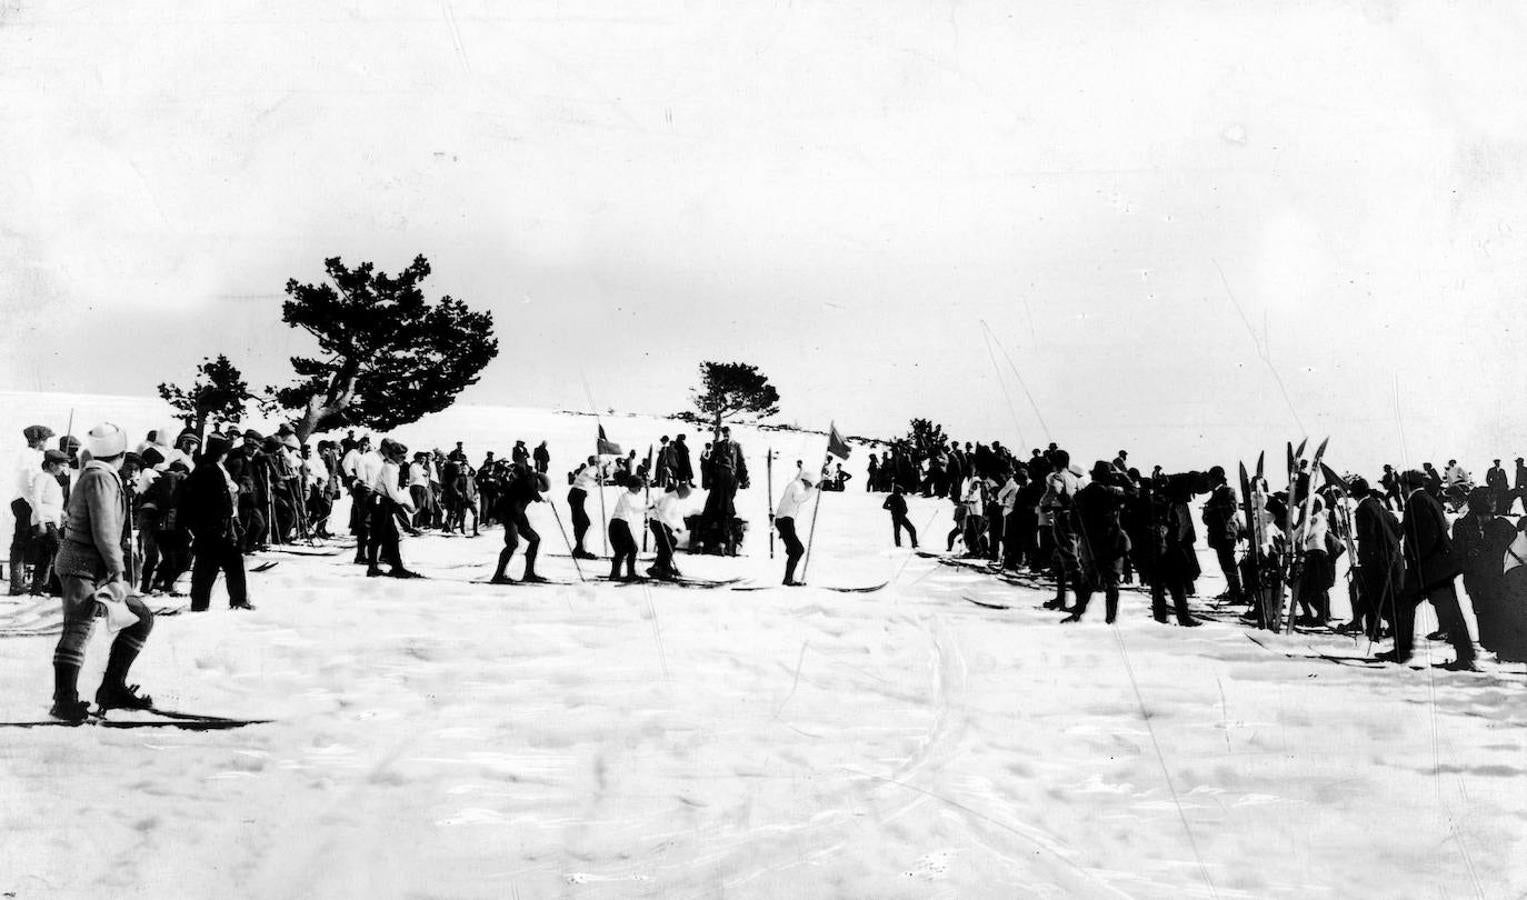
728,390
388,356
219,391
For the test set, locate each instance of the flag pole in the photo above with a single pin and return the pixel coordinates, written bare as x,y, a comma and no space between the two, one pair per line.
647,494
812,534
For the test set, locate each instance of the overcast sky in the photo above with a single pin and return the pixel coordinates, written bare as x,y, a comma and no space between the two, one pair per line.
1154,206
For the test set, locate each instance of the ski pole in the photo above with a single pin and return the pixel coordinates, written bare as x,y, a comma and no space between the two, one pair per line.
558,517
604,520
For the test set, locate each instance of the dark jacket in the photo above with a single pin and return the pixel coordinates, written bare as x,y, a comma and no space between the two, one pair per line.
1430,561
1220,524
206,509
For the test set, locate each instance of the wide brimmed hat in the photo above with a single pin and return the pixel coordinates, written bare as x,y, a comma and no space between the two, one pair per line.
105,441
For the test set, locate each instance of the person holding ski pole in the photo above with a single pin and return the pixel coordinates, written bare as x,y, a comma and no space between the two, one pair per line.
630,516
667,518
584,480
794,496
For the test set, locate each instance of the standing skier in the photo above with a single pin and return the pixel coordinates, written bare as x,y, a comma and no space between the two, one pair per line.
897,504
392,500
91,566
794,496
628,520
584,480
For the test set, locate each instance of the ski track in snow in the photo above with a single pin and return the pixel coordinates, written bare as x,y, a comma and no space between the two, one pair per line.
436,738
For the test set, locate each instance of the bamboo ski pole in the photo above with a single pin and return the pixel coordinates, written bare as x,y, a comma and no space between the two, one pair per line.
647,494
604,520
558,517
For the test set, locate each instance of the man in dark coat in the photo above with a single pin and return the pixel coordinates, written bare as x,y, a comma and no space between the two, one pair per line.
1223,531
728,472
1519,485
209,510
683,469
1430,567
1500,488
1481,539
1380,568
1103,545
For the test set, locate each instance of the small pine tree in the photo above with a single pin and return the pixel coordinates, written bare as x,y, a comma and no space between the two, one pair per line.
218,391
732,389
390,356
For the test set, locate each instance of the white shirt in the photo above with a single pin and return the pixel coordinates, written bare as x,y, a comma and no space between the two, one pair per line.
796,493
669,510
348,464
418,475
368,469
1008,496
630,509
47,500
387,486
586,479
28,465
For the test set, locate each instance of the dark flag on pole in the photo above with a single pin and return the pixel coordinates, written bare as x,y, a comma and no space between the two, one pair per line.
606,447
836,446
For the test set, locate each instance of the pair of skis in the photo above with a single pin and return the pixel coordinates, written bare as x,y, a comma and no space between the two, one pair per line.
1293,564
164,718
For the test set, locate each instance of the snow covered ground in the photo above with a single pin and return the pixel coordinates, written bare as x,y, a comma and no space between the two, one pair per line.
442,738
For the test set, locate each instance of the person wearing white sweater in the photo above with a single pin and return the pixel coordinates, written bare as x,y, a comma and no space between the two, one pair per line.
628,521
792,500
27,465
667,518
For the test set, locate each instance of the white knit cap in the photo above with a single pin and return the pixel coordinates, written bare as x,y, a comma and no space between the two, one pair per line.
106,440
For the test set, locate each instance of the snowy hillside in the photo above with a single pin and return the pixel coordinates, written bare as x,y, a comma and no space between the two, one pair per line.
441,738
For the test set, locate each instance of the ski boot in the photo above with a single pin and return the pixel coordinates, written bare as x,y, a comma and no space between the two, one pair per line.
121,696
70,709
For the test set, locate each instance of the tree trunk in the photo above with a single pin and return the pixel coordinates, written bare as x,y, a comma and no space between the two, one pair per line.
341,389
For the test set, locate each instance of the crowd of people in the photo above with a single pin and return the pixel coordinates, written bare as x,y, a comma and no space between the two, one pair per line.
100,525
1408,539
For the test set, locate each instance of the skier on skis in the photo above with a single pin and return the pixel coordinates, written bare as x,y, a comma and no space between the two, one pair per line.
93,571
523,488
791,501
584,480
628,520
896,503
